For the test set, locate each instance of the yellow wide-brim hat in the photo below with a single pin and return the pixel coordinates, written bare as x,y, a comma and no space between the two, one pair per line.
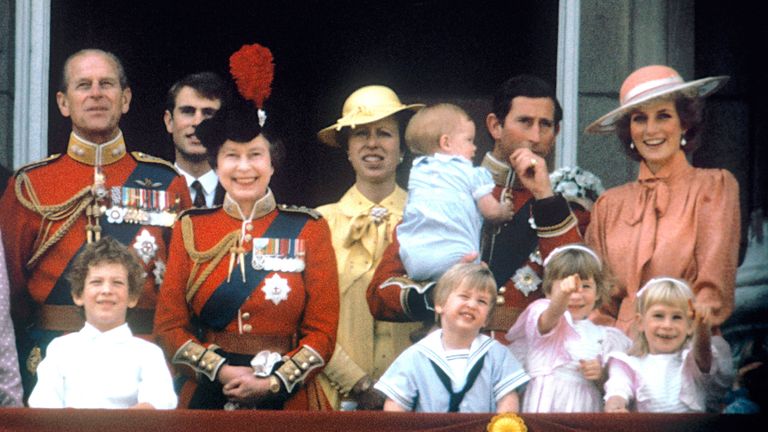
649,83
365,105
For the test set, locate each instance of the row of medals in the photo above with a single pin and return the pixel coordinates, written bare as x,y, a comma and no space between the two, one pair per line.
147,207
290,259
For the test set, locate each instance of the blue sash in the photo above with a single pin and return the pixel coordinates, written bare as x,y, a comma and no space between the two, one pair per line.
124,232
221,308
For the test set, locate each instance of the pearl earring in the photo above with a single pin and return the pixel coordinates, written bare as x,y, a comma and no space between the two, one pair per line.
632,145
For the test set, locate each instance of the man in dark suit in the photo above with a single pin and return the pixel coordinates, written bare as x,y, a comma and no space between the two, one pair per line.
191,100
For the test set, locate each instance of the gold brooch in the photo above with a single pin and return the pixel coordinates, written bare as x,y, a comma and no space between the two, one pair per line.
507,423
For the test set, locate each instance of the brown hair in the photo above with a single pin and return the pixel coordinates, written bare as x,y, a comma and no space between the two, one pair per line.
427,126
475,275
663,291
691,112
106,250
575,261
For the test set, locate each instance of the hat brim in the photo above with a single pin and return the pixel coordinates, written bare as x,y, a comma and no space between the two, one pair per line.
698,88
329,135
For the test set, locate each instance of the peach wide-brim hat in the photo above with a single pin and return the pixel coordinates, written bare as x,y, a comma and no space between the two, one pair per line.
649,83
365,105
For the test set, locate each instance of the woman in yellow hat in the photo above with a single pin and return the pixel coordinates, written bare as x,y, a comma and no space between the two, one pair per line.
370,130
674,220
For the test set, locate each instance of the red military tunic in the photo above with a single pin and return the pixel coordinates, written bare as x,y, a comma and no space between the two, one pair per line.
54,182
555,224
303,305
40,294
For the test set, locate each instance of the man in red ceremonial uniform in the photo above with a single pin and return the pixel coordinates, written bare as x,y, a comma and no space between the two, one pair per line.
524,124
52,208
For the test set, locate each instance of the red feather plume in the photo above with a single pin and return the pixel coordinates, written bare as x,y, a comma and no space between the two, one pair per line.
253,70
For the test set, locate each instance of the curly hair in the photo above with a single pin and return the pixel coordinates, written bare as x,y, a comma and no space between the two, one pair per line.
106,251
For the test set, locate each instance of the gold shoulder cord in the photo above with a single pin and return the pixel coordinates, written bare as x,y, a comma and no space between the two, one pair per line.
70,210
213,255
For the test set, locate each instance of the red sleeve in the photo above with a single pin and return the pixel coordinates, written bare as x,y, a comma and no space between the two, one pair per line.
172,316
18,242
321,312
392,296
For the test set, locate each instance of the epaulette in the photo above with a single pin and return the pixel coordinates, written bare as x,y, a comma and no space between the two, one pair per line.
197,211
36,164
143,157
314,214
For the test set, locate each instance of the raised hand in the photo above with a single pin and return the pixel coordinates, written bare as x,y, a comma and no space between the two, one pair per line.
531,170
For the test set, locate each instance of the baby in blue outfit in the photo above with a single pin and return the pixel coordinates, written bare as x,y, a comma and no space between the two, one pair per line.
447,196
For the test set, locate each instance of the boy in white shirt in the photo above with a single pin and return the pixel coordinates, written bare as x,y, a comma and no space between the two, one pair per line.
104,365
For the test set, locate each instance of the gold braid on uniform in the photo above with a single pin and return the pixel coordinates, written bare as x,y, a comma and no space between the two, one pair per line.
213,255
70,210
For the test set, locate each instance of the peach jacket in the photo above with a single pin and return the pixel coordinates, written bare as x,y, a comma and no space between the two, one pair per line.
681,222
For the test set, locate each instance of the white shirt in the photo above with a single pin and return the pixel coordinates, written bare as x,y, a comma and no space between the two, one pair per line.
113,369
209,181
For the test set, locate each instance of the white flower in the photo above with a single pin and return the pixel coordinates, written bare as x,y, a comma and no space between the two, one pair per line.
576,182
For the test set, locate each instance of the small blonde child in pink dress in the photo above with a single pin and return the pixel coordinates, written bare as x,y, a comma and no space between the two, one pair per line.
665,371
564,351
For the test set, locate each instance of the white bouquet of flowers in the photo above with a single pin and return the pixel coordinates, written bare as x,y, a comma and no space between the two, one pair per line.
577,184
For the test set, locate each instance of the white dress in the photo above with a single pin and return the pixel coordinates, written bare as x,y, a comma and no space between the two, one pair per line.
670,382
552,360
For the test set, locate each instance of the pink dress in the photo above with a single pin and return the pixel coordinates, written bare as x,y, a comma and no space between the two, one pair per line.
552,360
671,382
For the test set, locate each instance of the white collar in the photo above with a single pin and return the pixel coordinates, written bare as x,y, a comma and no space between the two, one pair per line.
209,180
118,333
442,157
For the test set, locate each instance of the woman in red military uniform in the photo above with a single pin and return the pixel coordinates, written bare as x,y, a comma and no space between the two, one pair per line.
250,300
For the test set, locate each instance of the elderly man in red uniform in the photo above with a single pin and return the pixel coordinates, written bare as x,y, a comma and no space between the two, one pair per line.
52,208
524,124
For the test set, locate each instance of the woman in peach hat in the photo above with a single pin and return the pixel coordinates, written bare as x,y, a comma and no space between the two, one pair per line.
370,130
674,220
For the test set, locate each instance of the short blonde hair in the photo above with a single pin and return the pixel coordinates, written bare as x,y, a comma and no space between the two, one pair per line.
475,275
422,135
667,291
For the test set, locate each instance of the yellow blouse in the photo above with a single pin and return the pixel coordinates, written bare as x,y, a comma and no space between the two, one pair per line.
361,230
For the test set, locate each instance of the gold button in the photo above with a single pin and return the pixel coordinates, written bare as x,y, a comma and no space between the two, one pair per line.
502,290
248,237
247,328
246,315
500,300
249,226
